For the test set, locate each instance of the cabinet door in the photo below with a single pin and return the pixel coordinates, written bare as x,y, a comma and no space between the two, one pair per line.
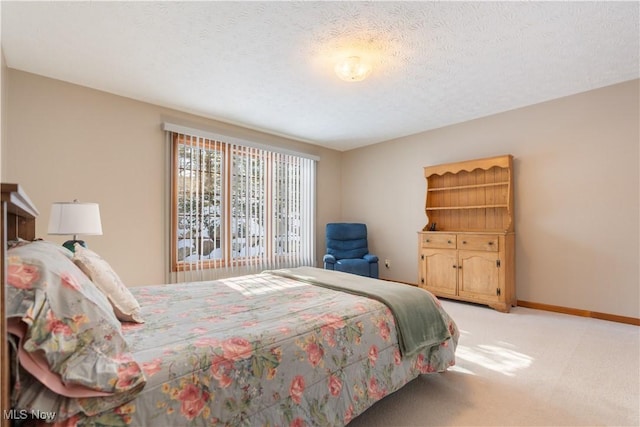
438,271
479,275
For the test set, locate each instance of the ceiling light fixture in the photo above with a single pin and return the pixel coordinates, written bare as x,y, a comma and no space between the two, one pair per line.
352,69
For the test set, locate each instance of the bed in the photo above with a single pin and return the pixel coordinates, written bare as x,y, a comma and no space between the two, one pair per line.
295,347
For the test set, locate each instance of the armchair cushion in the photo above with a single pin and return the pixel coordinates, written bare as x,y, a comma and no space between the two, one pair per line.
353,265
346,240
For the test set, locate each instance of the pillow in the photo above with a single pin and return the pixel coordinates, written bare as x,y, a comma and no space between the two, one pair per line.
69,320
124,304
17,242
46,244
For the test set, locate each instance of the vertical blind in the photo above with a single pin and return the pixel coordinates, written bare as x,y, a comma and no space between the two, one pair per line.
238,209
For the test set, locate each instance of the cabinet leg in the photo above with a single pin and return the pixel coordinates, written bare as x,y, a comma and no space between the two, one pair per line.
501,307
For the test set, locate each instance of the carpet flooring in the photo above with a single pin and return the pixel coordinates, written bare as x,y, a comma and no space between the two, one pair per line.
525,368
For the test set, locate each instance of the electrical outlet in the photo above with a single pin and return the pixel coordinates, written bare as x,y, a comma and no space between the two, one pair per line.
387,263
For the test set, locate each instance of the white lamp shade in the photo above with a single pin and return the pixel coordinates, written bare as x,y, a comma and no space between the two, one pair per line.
75,218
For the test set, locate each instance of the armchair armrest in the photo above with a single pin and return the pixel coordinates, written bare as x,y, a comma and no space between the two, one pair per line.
329,259
371,258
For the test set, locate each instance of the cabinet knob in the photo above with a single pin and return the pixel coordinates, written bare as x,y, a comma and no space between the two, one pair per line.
464,242
454,266
427,240
449,242
490,243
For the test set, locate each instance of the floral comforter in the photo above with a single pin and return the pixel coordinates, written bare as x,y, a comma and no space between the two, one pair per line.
264,350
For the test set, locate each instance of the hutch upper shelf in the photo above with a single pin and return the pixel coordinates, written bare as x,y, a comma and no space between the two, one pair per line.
475,195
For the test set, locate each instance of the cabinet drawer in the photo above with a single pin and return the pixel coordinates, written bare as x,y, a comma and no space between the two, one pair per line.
479,242
439,241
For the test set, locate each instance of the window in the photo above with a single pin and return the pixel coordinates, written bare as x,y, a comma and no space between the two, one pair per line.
235,205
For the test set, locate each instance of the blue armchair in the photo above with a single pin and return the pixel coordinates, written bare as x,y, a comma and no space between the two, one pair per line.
347,250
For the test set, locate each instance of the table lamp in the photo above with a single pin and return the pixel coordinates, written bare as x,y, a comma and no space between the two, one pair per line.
75,218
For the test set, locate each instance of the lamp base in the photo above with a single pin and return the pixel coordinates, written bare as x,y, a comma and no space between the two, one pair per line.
70,244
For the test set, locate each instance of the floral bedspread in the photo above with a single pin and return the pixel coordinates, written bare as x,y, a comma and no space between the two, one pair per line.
264,350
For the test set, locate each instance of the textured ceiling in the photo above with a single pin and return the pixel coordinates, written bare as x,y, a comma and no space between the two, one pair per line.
269,65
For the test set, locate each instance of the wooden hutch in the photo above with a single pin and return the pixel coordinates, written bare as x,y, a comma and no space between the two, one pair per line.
467,249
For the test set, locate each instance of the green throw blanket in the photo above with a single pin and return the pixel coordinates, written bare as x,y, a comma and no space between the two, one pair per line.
419,323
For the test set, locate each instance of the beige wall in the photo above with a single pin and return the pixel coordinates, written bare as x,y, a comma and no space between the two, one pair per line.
577,183
3,100
576,195
66,141
3,109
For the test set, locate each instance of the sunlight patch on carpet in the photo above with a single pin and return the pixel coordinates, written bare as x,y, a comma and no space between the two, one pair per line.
493,357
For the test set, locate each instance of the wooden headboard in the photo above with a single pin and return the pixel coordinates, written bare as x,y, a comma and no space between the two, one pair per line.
18,221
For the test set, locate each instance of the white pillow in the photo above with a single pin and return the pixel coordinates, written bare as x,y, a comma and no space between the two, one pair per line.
125,305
